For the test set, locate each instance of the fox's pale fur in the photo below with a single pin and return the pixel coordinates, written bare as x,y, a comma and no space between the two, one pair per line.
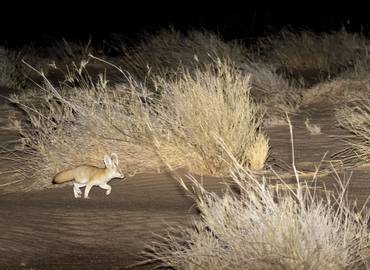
89,176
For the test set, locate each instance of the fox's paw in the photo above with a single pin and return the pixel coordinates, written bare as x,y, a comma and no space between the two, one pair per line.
77,196
108,192
87,197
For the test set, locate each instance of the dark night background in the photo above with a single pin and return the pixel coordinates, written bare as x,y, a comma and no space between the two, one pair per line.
38,22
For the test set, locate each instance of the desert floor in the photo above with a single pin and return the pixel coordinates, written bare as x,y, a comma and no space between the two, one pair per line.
50,229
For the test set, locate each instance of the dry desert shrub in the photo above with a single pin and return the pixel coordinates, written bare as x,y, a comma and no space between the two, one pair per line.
271,90
213,102
11,69
169,51
355,117
303,51
337,91
262,227
67,50
14,73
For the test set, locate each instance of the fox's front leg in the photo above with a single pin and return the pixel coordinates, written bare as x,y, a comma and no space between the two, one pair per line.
87,190
76,190
107,187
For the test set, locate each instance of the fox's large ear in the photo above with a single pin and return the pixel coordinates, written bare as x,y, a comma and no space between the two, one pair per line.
114,159
108,162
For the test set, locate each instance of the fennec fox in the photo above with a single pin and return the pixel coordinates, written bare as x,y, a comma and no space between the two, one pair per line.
89,176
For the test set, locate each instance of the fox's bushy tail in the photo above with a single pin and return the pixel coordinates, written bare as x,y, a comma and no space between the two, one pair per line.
63,176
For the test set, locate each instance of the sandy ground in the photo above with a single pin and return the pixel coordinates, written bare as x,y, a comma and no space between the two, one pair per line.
50,229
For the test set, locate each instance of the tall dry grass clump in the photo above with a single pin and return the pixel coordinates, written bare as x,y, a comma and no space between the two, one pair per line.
169,50
355,117
79,122
67,50
262,227
198,107
11,70
76,123
303,51
13,73
271,90
337,92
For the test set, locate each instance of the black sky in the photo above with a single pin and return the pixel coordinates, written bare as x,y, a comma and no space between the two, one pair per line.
39,22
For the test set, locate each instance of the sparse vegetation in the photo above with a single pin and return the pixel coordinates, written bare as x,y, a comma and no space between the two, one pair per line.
267,228
269,89
310,54
355,118
11,72
168,52
67,50
312,128
337,92
148,131
210,103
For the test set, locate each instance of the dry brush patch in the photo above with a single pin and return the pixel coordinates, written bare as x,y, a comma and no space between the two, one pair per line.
205,104
305,51
263,227
65,127
68,125
12,73
355,117
349,98
67,50
337,92
169,50
168,53
272,91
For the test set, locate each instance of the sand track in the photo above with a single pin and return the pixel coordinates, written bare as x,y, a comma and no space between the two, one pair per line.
51,229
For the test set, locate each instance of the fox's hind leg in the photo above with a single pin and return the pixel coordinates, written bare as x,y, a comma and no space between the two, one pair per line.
107,187
87,190
76,190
